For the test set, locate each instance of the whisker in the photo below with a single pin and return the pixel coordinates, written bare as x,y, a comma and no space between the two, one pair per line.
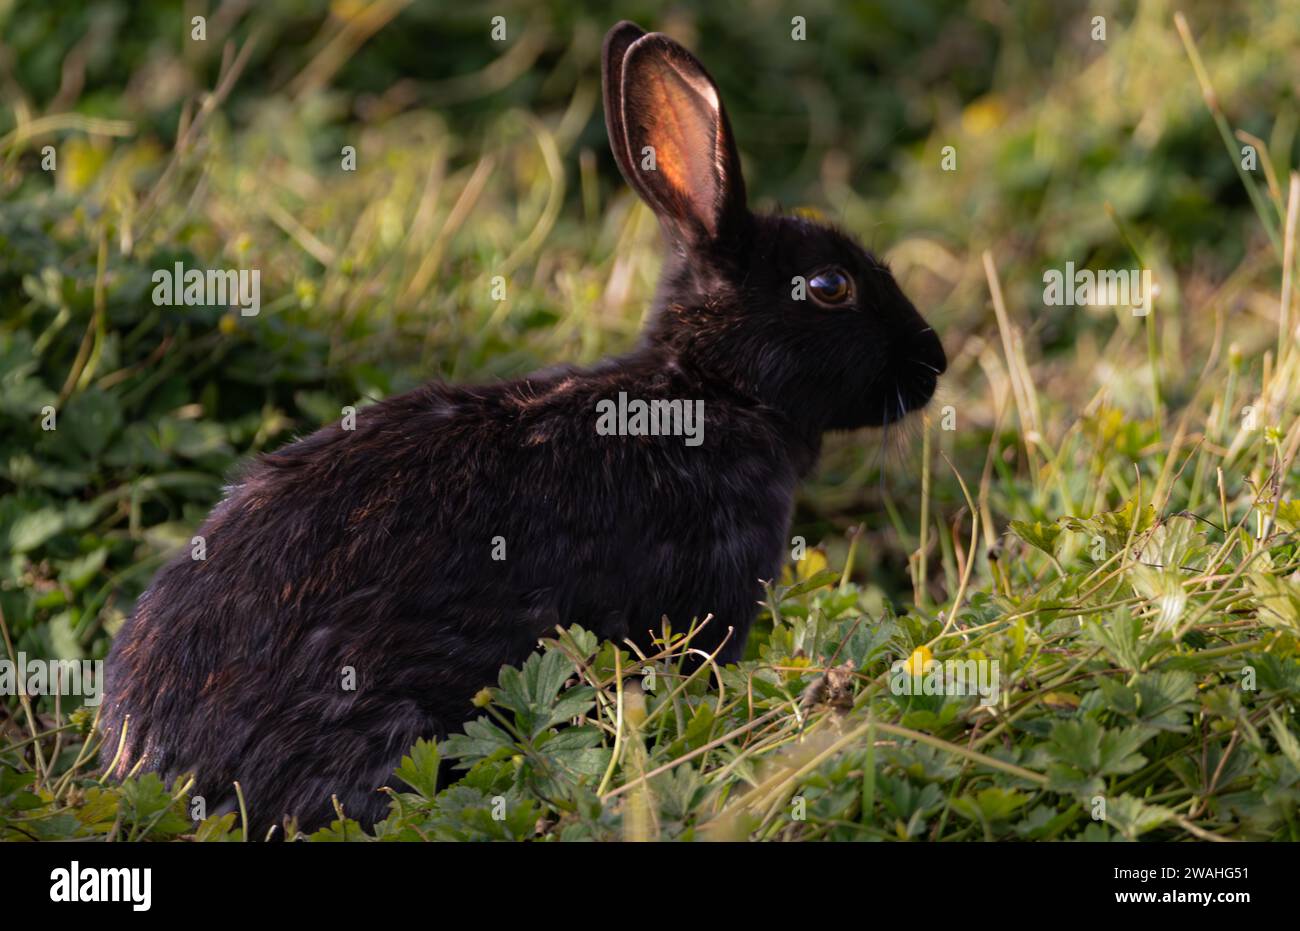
882,458
926,364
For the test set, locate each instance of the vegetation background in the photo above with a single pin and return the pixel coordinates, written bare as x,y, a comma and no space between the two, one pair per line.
1112,517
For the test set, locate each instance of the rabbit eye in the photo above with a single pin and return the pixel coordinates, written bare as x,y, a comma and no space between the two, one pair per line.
831,287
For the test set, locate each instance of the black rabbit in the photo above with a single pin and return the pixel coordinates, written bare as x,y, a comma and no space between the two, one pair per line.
377,549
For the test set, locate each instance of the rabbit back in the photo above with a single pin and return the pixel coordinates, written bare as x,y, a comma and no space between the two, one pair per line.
419,553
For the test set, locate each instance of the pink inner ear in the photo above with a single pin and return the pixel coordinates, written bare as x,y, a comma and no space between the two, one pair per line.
675,110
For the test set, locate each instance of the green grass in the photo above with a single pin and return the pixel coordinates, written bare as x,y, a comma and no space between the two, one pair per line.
1112,518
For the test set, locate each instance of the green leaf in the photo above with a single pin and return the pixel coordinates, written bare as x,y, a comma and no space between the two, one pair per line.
341,831
1288,514
32,529
1132,817
1084,751
818,580
1164,588
1278,599
989,805
530,692
577,751
1121,637
419,769
1160,700
92,418
192,439
1038,534
80,571
218,829
481,740
1115,527
148,809
63,637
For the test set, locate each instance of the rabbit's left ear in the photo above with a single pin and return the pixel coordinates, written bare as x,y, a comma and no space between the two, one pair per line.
680,154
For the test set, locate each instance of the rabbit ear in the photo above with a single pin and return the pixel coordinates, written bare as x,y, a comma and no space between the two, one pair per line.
617,42
679,152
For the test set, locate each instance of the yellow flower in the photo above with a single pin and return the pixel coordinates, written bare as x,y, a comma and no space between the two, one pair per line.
984,115
81,162
813,562
483,698
919,661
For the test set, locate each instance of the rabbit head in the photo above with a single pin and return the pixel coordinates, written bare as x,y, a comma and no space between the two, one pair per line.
792,313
